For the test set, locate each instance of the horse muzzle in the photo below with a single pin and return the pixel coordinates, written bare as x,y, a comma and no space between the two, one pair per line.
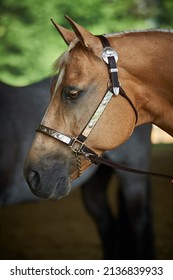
47,179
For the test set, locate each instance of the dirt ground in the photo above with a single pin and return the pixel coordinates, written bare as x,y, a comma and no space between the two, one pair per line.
63,229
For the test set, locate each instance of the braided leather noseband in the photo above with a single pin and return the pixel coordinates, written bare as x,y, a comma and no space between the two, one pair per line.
77,144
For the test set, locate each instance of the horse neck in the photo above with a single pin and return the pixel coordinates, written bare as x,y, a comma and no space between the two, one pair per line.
145,72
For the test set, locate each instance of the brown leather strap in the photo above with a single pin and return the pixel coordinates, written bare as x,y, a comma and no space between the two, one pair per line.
122,93
104,41
100,160
114,75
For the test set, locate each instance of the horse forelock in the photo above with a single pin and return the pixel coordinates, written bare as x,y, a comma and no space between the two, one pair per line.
58,68
60,62
62,59
73,43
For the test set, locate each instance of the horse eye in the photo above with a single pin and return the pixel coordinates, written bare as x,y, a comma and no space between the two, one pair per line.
71,93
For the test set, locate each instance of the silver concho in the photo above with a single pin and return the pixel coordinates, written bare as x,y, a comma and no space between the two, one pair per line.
107,52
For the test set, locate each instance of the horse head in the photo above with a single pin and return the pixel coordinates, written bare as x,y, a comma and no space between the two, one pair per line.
83,79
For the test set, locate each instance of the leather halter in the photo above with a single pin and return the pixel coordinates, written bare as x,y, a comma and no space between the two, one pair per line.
77,144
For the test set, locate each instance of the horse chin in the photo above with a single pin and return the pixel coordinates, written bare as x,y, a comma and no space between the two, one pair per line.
61,189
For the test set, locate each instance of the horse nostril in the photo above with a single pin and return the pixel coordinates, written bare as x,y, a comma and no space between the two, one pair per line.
34,179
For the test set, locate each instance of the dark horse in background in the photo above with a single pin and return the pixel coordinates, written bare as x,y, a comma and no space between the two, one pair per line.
128,236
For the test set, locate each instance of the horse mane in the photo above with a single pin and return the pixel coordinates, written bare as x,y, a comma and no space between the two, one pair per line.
139,31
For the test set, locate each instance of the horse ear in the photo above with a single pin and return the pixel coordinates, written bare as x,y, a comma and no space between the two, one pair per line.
86,38
66,34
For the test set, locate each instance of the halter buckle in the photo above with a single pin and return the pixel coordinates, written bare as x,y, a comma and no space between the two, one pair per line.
109,52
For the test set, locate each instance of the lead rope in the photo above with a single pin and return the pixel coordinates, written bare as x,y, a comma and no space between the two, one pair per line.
100,160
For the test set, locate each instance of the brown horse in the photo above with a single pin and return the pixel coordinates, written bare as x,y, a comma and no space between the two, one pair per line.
88,98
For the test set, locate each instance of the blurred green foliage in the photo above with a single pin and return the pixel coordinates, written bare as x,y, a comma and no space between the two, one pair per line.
30,43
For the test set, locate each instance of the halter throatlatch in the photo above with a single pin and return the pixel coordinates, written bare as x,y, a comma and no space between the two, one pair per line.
77,144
